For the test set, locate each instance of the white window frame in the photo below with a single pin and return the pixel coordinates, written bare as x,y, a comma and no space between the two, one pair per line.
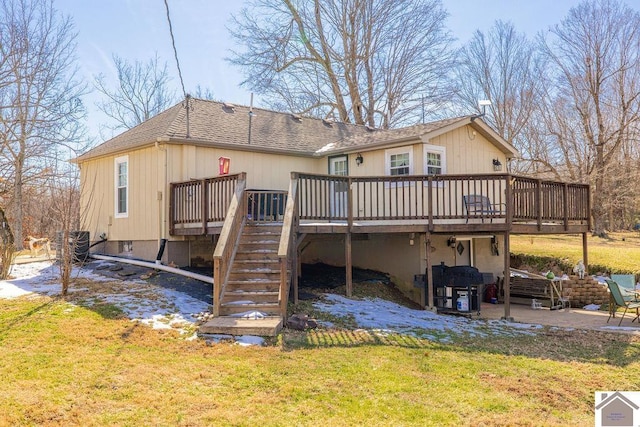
387,159
442,151
401,150
117,162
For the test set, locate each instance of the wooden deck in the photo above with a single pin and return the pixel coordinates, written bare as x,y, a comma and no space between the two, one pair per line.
388,204
331,204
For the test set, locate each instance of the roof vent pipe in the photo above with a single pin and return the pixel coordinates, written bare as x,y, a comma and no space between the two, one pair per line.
187,105
250,117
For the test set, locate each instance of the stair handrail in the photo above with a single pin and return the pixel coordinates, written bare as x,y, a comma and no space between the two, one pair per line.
286,242
227,246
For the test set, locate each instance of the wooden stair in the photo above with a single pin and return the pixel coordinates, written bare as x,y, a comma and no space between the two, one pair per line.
253,285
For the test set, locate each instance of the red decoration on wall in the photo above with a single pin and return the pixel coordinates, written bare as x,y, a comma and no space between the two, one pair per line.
224,163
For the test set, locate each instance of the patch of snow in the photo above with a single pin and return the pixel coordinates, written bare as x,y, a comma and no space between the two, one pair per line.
242,340
253,315
247,340
619,328
382,315
592,307
151,305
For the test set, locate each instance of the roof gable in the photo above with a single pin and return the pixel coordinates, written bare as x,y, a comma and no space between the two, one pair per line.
424,131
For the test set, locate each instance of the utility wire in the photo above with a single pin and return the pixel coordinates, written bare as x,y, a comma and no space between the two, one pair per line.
175,51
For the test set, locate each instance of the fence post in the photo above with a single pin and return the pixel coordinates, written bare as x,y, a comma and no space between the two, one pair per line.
172,200
203,209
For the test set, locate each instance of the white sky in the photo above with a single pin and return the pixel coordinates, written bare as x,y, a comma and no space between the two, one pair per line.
136,29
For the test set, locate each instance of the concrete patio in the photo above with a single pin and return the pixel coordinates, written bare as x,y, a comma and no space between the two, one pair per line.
565,318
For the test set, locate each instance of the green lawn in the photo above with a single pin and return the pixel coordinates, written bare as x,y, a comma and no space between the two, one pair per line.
62,364
620,253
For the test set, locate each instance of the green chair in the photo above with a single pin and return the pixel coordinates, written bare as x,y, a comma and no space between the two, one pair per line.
627,285
619,301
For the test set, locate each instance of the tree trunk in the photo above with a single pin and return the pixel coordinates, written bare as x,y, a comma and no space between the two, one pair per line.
17,208
599,204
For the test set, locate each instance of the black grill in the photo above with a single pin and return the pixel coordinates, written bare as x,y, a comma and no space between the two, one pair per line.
461,275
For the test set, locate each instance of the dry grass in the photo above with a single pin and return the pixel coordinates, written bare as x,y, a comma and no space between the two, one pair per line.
66,365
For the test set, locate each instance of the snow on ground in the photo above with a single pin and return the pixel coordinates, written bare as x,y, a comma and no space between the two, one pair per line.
140,301
153,305
387,316
162,308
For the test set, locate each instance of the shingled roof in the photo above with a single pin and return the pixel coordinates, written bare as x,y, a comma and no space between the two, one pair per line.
221,124
382,137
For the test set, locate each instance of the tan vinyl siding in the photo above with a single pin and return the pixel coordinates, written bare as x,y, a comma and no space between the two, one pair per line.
98,197
468,153
264,170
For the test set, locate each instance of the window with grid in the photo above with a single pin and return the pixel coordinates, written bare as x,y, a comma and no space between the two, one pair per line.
435,160
434,163
399,164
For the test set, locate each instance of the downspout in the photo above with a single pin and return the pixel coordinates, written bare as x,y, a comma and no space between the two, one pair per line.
162,217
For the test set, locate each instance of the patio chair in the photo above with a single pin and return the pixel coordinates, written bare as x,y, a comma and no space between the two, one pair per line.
478,205
627,285
619,301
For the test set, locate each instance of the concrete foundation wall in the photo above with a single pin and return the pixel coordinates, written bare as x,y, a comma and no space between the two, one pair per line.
176,252
201,251
388,253
403,255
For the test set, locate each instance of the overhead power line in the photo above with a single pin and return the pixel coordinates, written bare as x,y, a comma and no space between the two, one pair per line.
175,51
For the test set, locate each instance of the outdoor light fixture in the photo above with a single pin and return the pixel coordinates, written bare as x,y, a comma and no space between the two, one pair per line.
359,159
451,242
497,166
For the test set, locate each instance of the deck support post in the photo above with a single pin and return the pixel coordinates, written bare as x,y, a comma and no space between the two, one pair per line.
585,256
348,264
428,277
506,284
295,272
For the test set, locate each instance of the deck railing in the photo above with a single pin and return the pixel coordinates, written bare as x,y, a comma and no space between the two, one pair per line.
287,247
440,197
196,203
228,243
265,206
332,198
537,200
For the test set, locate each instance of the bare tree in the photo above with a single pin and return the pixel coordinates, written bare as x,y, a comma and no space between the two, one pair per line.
65,211
204,93
7,247
502,66
358,61
141,93
595,57
39,95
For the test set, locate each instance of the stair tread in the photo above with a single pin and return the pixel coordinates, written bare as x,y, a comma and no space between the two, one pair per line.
262,233
274,304
267,326
251,293
258,261
256,281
